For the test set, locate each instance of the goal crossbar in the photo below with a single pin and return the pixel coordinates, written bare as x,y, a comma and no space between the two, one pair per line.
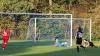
11,13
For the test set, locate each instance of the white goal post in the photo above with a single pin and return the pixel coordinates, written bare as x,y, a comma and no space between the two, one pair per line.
50,18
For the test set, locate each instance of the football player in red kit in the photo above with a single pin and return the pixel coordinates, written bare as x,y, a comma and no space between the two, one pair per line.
5,36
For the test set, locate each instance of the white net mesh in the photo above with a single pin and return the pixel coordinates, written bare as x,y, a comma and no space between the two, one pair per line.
48,27
85,24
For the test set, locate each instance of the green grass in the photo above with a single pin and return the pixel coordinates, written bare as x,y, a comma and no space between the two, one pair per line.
45,48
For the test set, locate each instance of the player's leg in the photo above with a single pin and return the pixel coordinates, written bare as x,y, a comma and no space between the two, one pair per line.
81,43
82,46
7,38
78,48
78,44
92,45
4,43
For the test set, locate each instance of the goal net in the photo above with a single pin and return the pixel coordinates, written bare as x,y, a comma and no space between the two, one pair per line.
85,24
46,27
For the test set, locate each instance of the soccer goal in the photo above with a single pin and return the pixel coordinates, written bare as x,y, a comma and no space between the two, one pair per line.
85,24
45,27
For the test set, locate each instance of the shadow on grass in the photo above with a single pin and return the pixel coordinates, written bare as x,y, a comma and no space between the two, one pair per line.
70,52
14,47
19,46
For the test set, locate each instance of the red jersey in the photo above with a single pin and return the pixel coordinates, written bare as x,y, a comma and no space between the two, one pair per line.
6,32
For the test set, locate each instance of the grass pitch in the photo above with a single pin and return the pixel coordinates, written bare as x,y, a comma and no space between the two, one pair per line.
44,48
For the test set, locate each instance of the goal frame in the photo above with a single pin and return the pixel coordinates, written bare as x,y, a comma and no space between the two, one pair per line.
90,25
52,18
